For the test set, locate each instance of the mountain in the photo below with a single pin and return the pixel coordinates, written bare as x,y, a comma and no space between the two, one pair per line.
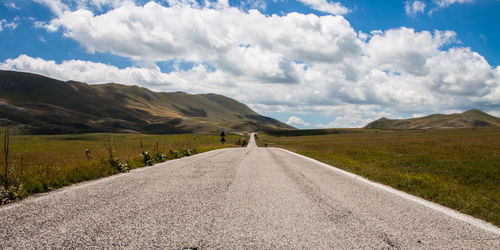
40,105
468,119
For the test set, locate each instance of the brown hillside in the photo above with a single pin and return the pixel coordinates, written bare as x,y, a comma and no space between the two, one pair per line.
42,105
468,119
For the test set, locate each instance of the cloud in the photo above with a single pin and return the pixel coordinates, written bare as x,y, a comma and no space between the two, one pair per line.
404,50
441,4
12,5
446,3
294,120
347,121
9,25
495,113
82,71
293,64
412,9
264,47
56,6
460,72
256,4
355,116
418,115
334,8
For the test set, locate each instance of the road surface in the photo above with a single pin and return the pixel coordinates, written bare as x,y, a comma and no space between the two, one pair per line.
233,199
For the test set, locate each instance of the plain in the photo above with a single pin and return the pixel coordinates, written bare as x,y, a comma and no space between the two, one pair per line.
457,168
40,163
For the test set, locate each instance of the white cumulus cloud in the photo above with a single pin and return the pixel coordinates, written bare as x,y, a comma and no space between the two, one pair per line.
334,8
414,8
238,42
9,25
355,116
446,3
56,6
441,4
85,71
294,120
12,5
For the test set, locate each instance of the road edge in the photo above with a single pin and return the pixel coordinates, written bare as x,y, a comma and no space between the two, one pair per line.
36,197
440,208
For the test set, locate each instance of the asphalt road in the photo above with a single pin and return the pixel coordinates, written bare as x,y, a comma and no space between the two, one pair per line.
237,198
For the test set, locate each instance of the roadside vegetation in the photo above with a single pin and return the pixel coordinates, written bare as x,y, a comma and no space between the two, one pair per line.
457,168
40,163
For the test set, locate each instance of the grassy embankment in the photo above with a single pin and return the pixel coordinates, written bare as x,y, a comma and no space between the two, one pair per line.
43,163
458,168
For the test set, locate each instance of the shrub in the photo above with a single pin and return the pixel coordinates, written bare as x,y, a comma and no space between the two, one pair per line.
147,159
159,157
173,154
7,195
117,165
186,152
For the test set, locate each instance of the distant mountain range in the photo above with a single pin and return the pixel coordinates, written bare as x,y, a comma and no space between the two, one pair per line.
37,104
468,119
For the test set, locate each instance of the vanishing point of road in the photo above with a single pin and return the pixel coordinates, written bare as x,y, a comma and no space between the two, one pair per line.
235,198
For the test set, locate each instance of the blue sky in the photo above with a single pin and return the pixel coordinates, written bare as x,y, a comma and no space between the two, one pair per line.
311,63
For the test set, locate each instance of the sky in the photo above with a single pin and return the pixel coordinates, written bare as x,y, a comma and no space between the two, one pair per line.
309,63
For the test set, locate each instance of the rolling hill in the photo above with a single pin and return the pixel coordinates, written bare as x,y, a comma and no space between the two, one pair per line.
468,119
37,104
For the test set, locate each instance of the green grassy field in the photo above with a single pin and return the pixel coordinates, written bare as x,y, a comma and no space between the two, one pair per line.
43,163
458,168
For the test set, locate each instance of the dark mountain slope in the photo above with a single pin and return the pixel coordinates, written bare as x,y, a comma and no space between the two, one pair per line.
468,119
42,105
